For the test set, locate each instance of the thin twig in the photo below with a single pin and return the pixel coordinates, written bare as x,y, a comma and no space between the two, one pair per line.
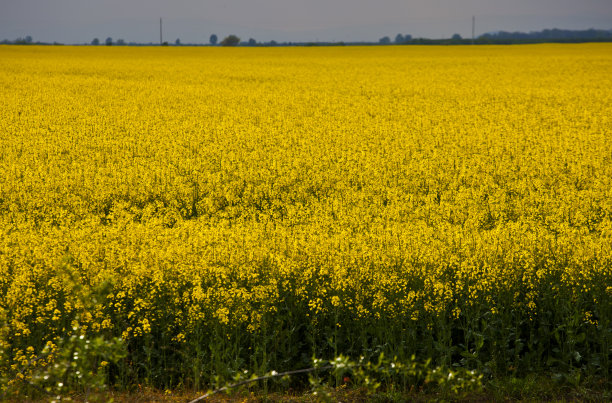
23,379
261,378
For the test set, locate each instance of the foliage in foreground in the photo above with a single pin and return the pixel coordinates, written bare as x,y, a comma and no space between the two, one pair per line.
448,203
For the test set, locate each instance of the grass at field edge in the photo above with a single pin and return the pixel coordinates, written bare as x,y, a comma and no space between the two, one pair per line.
533,388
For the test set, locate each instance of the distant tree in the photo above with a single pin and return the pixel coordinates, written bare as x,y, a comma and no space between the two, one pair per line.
28,39
177,42
95,42
407,37
385,40
213,39
231,40
108,41
456,37
165,43
399,38
252,42
273,43
120,42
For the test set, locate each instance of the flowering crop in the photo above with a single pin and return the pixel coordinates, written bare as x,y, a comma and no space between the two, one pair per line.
253,207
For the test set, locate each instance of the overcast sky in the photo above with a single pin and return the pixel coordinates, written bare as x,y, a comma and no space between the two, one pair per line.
193,21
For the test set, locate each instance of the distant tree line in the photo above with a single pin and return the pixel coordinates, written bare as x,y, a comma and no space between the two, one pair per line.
552,34
26,40
501,37
548,35
108,42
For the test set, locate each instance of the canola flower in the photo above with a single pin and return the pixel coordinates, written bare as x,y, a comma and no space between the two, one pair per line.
256,207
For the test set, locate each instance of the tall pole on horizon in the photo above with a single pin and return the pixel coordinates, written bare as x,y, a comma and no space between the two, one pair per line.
161,42
473,27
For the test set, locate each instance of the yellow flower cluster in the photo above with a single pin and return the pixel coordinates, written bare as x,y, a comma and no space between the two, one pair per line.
207,193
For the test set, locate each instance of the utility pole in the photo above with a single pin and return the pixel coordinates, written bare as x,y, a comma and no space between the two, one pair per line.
161,42
473,27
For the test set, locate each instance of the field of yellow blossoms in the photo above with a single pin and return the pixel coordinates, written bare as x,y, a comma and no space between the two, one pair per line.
250,208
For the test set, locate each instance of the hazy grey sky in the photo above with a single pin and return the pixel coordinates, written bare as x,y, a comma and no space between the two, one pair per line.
79,21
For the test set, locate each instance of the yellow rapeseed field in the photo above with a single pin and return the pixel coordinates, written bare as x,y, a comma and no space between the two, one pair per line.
252,207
